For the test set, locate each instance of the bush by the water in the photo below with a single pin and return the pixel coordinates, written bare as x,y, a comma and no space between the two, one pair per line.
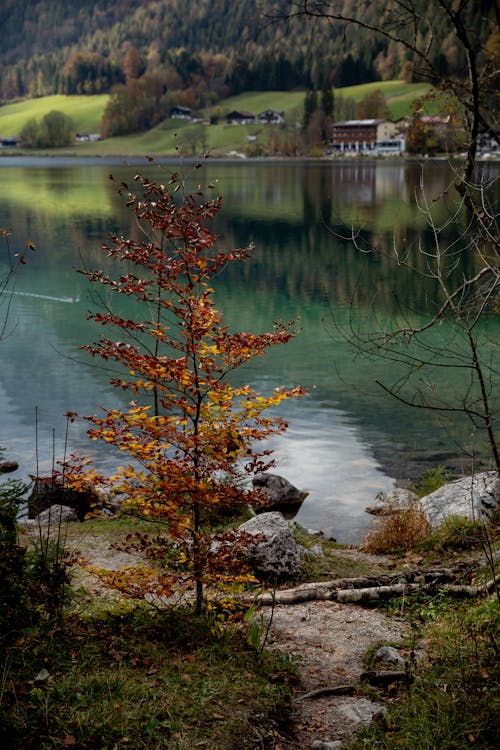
400,532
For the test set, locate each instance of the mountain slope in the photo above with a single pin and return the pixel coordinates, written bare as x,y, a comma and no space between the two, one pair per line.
214,47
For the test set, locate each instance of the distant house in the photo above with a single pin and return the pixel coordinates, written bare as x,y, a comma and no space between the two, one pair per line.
240,118
181,113
271,117
361,136
83,137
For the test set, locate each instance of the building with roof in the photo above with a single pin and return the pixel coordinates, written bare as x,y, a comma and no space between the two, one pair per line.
271,117
240,118
181,113
362,136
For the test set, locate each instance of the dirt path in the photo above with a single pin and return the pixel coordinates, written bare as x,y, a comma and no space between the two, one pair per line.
328,642
325,639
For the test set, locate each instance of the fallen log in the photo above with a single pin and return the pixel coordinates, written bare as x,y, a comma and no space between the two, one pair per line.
357,596
473,591
363,589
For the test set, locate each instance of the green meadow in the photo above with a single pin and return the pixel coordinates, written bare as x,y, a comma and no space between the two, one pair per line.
85,111
174,136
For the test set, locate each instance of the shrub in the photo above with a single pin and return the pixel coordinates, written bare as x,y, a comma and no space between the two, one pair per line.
401,532
34,583
431,481
14,599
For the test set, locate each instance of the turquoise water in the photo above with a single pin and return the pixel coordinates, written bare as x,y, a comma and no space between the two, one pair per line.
347,439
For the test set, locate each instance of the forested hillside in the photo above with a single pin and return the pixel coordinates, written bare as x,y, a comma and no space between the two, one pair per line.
208,49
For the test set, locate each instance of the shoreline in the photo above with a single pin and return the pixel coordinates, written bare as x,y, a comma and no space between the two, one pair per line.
121,158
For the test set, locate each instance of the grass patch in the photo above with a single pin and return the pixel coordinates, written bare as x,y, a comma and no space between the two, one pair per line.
456,533
332,562
140,680
453,703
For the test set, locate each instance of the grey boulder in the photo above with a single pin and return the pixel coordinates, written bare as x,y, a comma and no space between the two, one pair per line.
475,497
54,515
275,552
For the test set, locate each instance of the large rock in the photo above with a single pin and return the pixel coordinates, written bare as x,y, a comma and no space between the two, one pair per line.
276,553
391,504
474,497
7,466
53,516
277,494
47,492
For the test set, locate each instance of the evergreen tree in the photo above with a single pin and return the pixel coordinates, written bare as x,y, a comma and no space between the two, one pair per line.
327,100
310,107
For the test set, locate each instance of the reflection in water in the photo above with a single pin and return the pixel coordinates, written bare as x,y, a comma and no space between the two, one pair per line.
47,296
346,440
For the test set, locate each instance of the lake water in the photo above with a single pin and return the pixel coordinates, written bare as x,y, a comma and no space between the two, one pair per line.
347,440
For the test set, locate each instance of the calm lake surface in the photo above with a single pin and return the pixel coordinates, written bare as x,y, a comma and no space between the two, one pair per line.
347,440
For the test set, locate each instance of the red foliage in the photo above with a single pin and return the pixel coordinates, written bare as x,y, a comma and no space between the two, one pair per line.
191,435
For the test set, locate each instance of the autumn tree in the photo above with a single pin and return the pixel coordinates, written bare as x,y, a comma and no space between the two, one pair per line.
138,105
190,433
373,106
132,64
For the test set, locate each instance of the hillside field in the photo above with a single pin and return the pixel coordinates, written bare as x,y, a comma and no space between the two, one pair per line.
174,136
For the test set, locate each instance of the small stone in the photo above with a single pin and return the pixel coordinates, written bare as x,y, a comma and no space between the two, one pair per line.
315,551
42,676
388,655
326,745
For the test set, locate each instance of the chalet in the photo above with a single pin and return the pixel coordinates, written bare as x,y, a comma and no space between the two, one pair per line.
83,137
181,113
271,117
240,118
361,136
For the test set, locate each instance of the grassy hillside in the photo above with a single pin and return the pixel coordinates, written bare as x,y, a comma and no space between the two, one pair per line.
399,95
173,136
85,111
